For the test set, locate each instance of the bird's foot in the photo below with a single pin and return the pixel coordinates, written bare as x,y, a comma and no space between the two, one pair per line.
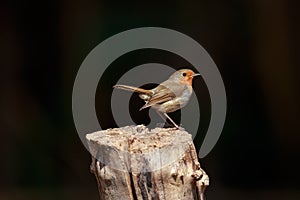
169,125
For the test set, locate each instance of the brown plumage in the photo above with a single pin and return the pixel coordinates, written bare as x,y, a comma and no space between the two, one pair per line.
169,96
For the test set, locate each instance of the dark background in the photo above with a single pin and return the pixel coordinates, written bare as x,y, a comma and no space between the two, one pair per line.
254,44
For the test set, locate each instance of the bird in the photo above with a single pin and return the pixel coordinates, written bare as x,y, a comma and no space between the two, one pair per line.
169,96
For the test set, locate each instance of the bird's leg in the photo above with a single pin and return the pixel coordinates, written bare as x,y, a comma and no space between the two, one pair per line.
160,115
166,123
168,118
171,120
163,118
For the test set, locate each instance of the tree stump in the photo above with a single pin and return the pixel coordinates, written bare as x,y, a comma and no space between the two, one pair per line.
134,163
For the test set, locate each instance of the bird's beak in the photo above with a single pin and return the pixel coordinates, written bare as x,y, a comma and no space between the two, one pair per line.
196,75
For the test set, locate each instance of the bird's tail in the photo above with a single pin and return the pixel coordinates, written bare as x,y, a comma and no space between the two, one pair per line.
133,89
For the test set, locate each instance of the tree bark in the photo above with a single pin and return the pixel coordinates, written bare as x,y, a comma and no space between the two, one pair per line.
134,163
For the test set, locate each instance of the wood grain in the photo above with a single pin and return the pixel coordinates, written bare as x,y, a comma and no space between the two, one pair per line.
135,163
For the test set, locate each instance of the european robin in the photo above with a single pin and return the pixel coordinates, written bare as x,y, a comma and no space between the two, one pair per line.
169,96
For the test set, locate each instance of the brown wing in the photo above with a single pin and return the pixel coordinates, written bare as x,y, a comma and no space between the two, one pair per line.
163,94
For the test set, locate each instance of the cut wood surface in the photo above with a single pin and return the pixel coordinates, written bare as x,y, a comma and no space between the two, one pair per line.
136,163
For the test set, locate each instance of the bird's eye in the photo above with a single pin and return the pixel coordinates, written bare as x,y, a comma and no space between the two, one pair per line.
184,74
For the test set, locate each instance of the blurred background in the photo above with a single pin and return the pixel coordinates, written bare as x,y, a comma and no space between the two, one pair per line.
255,44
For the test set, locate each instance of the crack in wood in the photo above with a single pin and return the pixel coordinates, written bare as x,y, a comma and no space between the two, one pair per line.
133,163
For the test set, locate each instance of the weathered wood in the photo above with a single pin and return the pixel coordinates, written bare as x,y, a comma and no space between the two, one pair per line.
134,163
